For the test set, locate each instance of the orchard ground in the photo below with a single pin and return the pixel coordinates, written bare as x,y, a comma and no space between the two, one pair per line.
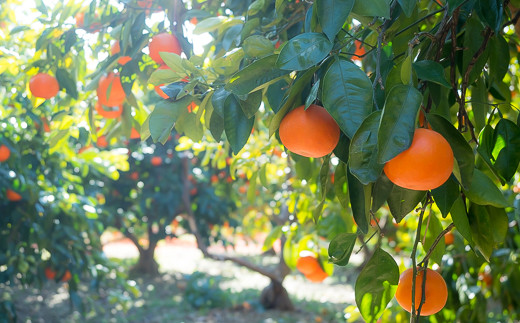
181,264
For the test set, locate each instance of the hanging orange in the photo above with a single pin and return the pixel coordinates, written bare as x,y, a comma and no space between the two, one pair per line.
4,153
163,42
317,277
310,133
307,265
359,52
134,134
110,90
43,85
426,165
12,195
435,291
109,114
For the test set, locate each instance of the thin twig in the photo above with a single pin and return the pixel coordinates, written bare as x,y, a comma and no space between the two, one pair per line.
365,242
437,240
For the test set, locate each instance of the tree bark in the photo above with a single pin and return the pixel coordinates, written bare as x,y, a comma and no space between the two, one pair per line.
146,265
275,296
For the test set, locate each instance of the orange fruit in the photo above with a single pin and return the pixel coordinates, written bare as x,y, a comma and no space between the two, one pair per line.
194,21
156,161
449,238
163,42
43,85
80,19
435,292
214,179
66,277
310,133
4,153
134,176
116,49
49,273
110,91
317,277
111,113
422,119
486,278
12,195
425,165
102,142
359,52
193,191
242,189
134,134
307,265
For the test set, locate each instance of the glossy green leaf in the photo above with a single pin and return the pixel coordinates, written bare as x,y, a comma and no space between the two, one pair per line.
398,121
255,76
459,215
431,71
490,12
257,46
332,14
430,230
479,104
498,58
382,190
376,285
372,8
347,95
340,248
312,94
218,100
164,116
445,195
251,105
236,124
472,43
358,202
342,148
507,140
461,149
303,51
363,150
488,227
484,192
403,201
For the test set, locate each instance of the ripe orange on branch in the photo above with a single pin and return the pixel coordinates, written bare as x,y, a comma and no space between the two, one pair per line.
310,133
435,291
43,85
307,265
110,91
425,165
163,42
4,153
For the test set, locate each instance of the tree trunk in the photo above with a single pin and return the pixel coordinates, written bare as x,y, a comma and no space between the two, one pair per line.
146,265
275,296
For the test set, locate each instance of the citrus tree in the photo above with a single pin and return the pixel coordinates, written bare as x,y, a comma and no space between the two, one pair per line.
410,104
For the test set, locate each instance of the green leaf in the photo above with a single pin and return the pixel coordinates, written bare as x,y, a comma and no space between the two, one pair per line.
431,71
461,149
304,51
445,196
398,121
472,43
479,104
358,202
430,230
407,6
340,184
507,137
324,176
251,105
236,124
66,82
484,192
191,126
218,100
342,148
403,201
363,150
257,46
251,189
347,95
332,14
382,189
490,11
372,8
459,215
376,285
498,58
216,125
488,227
340,248
214,23
273,235
255,76
164,116
312,94
406,71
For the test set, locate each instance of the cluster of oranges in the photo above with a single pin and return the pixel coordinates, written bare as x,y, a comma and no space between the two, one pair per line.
311,268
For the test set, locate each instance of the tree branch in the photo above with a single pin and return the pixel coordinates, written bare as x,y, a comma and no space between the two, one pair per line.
437,240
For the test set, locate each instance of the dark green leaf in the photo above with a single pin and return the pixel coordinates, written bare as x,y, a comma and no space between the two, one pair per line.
430,230
236,124
255,76
275,94
67,82
216,126
324,176
403,201
472,42
347,95
407,6
358,202
445,196
251,105
332,14
507,135
372,8
459,215
479,104
304,51
488,227
340,248
398,121
312,94
340,184
363,150
461,149
376,285
490,11
257,46
382,189
484,192
218,99
342,148
164,116
498,58
431,71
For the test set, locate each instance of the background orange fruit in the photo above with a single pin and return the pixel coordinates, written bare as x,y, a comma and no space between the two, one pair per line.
449,238
310,133
43,85
156,161
436,291
163,42
12,195
4,153
425,165
307,265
